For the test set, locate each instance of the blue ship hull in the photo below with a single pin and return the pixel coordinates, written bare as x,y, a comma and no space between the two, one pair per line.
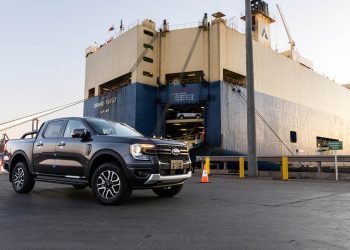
141,107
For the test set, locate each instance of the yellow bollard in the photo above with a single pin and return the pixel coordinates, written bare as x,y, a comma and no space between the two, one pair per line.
285,168
241,167
207,164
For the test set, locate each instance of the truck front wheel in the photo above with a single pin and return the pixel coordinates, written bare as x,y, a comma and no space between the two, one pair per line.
168,191
109,184
22,181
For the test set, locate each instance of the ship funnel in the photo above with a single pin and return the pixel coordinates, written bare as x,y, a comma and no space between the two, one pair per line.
261,22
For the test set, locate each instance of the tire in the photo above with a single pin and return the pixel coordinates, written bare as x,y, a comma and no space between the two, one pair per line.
198,116
79,186
109,184
22,181
181,117
167,192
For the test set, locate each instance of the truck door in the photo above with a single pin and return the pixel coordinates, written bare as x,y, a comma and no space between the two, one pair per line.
44,149
72,153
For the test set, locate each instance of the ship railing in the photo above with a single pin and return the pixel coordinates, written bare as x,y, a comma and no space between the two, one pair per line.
233,81
233,23
132,25
185,25
114,36
126,28
185,80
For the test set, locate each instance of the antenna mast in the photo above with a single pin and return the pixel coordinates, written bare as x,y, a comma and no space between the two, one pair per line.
291,41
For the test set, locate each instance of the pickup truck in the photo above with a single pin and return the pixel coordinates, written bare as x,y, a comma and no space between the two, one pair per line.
111,158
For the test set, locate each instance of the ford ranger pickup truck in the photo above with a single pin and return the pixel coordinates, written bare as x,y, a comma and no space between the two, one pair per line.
111,158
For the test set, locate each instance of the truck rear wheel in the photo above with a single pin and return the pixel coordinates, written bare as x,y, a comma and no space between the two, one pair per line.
109,184
22,181
168,191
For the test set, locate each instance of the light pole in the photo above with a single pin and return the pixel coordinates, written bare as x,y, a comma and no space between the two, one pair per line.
251,130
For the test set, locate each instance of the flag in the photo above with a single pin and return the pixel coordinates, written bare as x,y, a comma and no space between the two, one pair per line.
111,28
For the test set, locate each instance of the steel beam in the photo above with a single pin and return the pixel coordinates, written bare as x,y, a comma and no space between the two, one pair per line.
251,130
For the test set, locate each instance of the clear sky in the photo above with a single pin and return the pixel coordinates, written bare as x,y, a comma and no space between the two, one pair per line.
42,42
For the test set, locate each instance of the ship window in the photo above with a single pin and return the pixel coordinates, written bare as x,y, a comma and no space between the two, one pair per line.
148,33
91,92
147,59
148,46
148,74
293,136
253,23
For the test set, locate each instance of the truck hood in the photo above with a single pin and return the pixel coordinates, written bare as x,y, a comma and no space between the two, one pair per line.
166,142
142,140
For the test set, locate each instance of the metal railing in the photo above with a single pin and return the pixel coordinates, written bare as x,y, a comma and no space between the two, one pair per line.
295,158
185,25
231,22
282,159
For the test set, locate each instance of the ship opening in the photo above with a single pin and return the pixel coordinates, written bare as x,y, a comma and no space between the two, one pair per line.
186,123
114,84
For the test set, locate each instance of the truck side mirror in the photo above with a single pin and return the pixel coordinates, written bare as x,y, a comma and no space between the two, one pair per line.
81,133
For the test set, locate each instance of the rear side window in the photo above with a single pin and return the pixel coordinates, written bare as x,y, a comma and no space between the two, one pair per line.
54,129
73,124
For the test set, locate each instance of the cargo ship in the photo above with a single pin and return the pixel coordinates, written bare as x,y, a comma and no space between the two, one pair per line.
189,84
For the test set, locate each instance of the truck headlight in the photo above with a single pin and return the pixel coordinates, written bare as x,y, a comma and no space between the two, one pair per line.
137,151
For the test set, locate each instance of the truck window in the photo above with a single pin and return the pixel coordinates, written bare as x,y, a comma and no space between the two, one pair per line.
103,127
54,129
73,124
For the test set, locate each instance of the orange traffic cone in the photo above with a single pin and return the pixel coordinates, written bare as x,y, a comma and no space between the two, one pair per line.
205,178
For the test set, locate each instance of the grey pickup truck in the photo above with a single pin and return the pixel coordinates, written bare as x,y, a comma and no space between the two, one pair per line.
111,158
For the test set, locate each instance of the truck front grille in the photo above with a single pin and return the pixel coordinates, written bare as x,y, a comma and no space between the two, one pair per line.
168,148
165,156
168,158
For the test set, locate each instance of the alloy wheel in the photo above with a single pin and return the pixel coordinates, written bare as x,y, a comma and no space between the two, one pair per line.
19,178
108,184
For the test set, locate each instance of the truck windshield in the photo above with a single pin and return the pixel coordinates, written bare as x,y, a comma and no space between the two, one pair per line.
104,127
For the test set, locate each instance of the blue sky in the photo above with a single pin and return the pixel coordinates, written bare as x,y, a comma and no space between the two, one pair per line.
42,62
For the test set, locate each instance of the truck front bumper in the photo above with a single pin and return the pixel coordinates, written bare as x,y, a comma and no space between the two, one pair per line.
157,179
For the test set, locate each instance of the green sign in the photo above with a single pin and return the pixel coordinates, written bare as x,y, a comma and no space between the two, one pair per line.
335,145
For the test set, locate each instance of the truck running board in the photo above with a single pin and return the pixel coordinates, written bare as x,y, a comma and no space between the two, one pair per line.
62,180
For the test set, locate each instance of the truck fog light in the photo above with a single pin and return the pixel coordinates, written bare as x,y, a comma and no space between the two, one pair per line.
142,173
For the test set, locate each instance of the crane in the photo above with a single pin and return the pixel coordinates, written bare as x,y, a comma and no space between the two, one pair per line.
291,41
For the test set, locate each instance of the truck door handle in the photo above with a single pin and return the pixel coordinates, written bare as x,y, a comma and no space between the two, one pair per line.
62,144
40,144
